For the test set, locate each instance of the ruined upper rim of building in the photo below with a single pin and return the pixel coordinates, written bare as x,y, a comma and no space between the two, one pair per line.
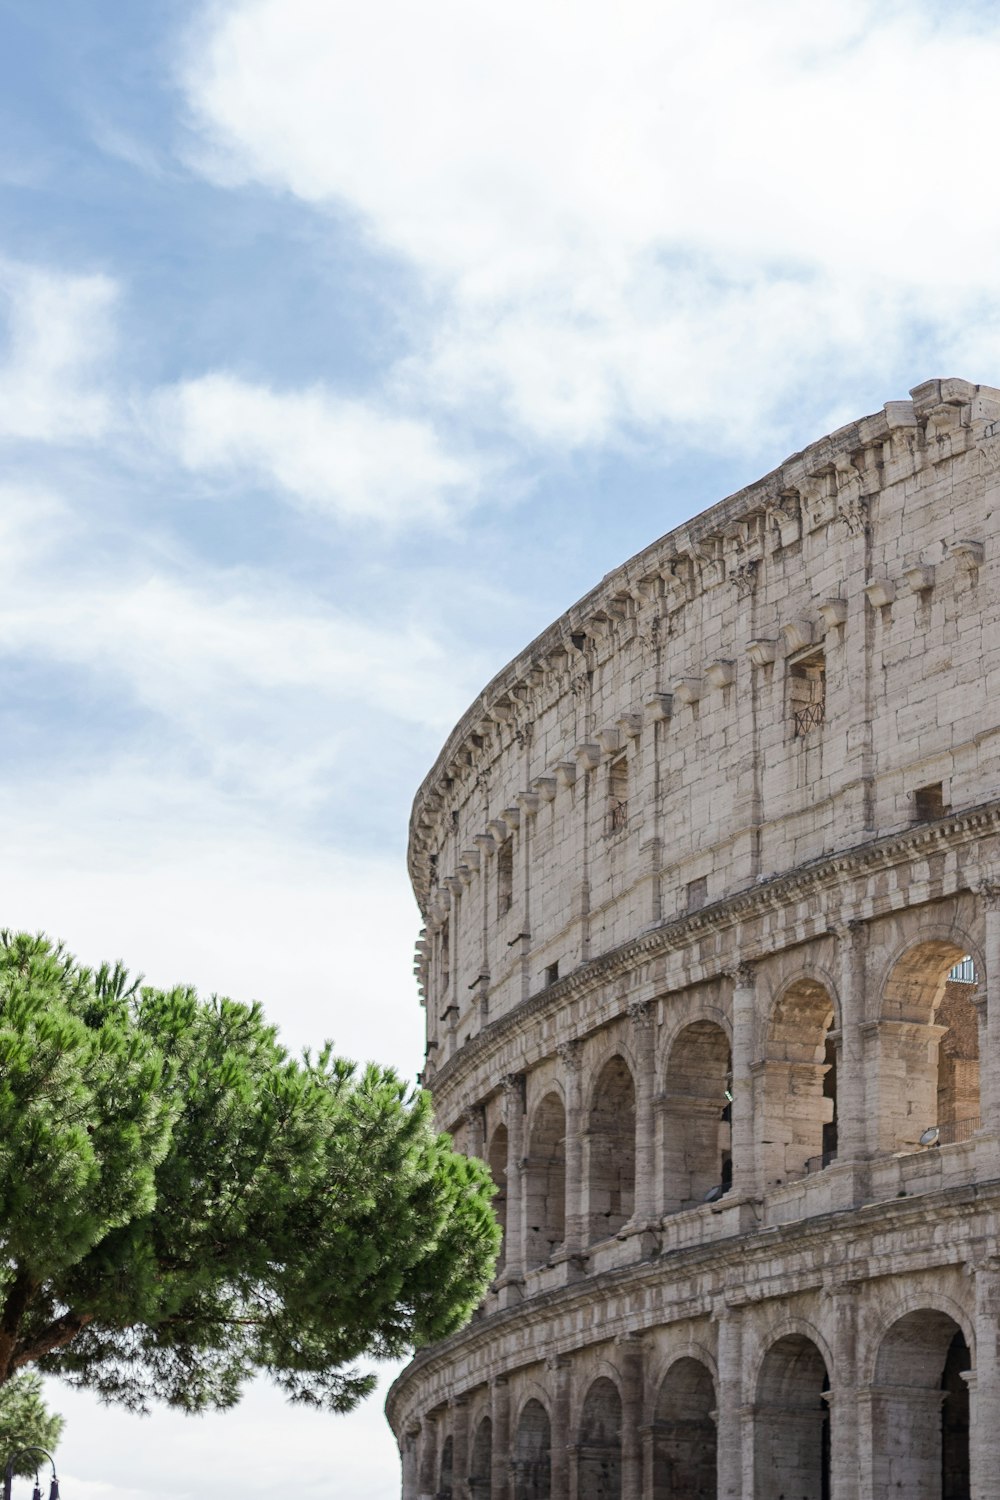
829,479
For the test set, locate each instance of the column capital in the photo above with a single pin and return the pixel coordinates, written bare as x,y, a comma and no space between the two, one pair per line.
513,1086
848,931
569,1055
743,974
640,1014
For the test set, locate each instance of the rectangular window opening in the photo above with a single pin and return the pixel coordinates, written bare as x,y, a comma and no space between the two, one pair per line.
697,893
551,973
928,802
505,878
616,817
807,692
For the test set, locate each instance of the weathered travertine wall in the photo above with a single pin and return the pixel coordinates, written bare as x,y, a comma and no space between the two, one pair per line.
711,881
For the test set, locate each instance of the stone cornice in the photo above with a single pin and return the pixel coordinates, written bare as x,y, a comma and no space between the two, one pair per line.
780,891
792,1243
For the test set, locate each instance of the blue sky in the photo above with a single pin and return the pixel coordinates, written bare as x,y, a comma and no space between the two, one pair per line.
342,348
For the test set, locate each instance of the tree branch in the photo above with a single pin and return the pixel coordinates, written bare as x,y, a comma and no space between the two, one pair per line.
54,1335
22,1290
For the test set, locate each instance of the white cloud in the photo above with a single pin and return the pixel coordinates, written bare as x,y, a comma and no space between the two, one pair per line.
272,688
636,213
343,457
58,336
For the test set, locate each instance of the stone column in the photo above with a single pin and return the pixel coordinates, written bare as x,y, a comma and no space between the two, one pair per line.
513,1088
460,1448
427,1484
475,1125
729,1404
647,1434
409,1455
843,1396
569,1056
984,1386
989,1065
744,1020
642,1023
558,1371
500,1416
631,1356
851,1110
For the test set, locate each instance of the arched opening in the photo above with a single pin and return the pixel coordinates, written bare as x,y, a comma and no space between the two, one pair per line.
684,1434
545,1182
792,1427
920,1410
530,1464
797,1098
611,1141
496,1160
481,1462
695,1117
599,1450
928,1045
446,1474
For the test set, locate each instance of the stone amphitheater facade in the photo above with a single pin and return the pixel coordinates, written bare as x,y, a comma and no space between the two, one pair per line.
711,882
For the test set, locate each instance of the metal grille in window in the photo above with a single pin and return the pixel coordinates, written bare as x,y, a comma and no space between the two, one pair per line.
808,718
964,972
617,817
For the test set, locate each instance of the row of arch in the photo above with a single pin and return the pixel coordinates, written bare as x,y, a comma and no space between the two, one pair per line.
927,1074
920,1436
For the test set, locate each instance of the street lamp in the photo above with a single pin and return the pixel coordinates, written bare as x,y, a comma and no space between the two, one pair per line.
35,1453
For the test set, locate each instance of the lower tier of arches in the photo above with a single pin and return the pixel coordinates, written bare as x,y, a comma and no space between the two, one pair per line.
880,1380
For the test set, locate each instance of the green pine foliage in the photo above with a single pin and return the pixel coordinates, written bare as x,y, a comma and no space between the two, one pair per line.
183,1204
26,1423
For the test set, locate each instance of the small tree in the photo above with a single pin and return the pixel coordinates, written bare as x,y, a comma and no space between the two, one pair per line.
183,1204
26,1422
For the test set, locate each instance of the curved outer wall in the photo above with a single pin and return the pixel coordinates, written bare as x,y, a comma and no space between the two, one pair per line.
711,882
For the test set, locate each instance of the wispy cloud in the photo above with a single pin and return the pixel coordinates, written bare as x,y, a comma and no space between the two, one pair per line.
345,458
59,336
576,182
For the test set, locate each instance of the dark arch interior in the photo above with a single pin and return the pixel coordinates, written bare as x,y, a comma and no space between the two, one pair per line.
612,1150
696,1116
800,1085
481,1462
545,1182
496,1160
600,1443
446,1475
684,1449
921,1429
792,1428
531,1460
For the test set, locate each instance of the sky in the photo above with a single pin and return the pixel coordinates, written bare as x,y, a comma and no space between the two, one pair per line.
342,347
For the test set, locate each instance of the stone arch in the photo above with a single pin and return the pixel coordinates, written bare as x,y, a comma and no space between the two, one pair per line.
531,1453
611,1149
920,1409
695,1143
545,1181
796,1085
684,1433
599,1442
496,1160
481,1461
446,1470
928,1045
792,1420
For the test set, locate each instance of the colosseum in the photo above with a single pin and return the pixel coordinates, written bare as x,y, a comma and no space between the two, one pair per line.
711,882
